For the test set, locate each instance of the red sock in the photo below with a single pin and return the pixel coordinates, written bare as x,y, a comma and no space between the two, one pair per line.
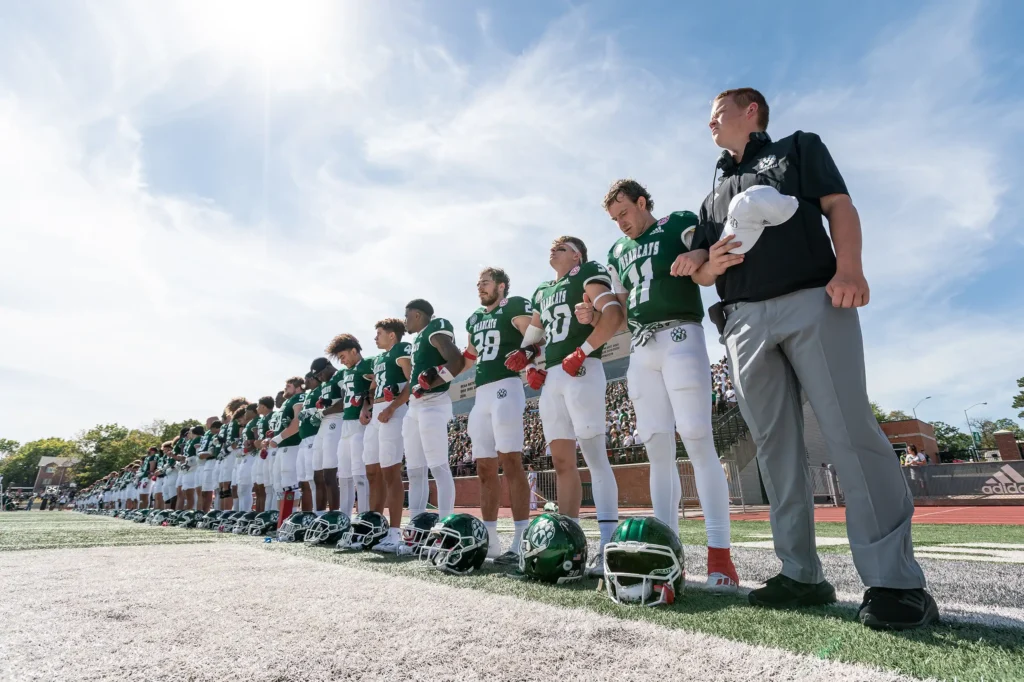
720,561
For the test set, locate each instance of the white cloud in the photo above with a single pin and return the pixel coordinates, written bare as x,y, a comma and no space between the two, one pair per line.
404,169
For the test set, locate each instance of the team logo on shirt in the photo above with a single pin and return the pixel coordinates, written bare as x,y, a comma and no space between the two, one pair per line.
658,229
502,393
662,221
502,303
767,163
333,424
473,319
678,334
574,271
617,250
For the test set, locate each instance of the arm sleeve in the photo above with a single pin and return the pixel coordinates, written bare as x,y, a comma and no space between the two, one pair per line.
617,287
819,176
702,237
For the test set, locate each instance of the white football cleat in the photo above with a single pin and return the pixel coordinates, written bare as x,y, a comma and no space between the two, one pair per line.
388,545
721,583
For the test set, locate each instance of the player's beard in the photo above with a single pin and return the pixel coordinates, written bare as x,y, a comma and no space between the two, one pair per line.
489,301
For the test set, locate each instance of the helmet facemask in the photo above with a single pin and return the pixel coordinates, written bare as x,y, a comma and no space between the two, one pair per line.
445,547
655,587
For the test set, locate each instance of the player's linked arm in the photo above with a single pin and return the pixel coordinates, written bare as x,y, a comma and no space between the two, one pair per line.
610,308
454,361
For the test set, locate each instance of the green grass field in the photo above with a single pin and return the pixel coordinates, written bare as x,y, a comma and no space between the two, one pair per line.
954,650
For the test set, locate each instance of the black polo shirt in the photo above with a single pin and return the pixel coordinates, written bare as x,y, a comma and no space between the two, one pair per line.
788,257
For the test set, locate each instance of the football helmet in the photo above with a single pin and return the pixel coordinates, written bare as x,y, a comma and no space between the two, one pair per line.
142,515
457,544
366,530
294,527
210,520
415,533
643,563
189,518
226,523
242,521
327,529
264,523
553,550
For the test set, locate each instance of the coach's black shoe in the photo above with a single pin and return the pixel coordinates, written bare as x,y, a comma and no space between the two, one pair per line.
891,609
781,592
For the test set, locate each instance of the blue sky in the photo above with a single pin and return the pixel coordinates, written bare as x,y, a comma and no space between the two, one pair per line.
198,195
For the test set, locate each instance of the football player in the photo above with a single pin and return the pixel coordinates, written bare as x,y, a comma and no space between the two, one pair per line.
669,375
496,420
331,407
145,484
191,486
226,460
572,403
382,442
309,427
436,360
257,430
273,482
355,378
286,440
180,468
206,479
243,478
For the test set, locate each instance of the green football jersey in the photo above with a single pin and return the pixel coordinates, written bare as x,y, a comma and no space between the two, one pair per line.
331,390
355,383
386,371
263,425
310,417
214,445
556,302
642,265
249,433
494,337
425,355
287,414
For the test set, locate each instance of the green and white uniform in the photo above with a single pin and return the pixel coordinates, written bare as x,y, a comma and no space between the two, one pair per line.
286,461
571,408
325,449
669,378
310,419
496,420
425,432
350,445
382,443
247,467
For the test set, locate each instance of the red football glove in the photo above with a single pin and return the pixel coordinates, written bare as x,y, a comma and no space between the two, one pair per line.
263,454
573,362
426,378
320,404
417,391
517,360
356,400
389,393
535,378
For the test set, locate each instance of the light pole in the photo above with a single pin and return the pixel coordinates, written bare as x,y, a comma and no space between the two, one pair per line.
970,431
914,410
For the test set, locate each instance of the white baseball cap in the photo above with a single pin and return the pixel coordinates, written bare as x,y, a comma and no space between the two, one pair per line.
754,209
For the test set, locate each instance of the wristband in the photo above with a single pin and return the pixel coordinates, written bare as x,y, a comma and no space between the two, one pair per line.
276,440
587,348
444,373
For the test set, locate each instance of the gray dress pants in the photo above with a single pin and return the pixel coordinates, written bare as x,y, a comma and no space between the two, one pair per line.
775,348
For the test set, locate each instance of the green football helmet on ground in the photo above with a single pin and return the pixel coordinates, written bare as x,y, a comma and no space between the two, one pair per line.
415,533
553,550
158,517
264,523
210,520
328,529
643,563
189,518
242,522
294,527
366,530
458,544
143,515
226,524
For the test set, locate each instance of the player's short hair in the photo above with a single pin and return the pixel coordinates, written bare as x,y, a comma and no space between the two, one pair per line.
216,425
629,188
240,412
392,324
297,382
279,399
744,97
575,241
342,342
421,305
183,431
498,275
233,405
168,444
267,402
198,430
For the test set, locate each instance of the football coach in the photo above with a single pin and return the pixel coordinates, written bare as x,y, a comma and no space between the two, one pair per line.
789,294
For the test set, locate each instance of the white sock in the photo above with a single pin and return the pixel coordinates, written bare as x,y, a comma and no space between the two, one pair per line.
602,479
347,496
312,495
245,500
493,539
419,490
665,487
362,493
712,489
445,490
520,527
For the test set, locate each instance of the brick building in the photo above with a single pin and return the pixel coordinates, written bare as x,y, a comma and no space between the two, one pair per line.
53,471
907,432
